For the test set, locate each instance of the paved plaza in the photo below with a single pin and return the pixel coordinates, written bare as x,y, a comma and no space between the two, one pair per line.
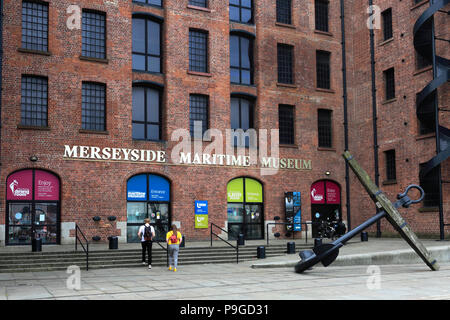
235,282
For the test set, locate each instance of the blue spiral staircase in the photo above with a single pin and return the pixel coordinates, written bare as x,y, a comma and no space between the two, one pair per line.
427,104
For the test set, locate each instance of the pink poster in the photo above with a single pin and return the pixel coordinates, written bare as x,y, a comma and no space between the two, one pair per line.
46,186
318,193
333,193
20,186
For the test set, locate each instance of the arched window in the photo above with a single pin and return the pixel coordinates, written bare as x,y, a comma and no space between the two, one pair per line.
245,208
148,196
32,207
325,204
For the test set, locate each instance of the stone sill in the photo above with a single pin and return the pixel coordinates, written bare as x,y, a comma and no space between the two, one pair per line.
325,33
384,42
429,209
44,53
93,132
287,85
26,127
388,182
106,61
201,74
190,6
426,136
284,25
326,149
389,101
292,146
417,5
325,90
429,68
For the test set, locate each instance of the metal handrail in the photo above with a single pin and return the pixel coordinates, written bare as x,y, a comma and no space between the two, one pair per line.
288,223
85,249
235,247
167,251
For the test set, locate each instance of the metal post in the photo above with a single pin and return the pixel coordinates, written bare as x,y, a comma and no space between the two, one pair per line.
211,234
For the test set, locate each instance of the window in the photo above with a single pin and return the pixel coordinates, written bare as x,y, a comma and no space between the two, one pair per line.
199,3
323,69
34,101
241,118
146,113
387,23
321,15
426,114
389,81
286,124
390,165
198,51
430,186
422,61
150,2
284,11
94,35
324,128
241,59
285,63
93,110
241,11
146,45
35,26
198,111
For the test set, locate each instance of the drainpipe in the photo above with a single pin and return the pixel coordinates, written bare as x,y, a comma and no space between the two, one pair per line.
438,140
374,113
344,96
1,71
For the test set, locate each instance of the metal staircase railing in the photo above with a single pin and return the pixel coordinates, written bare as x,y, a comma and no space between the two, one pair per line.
427,99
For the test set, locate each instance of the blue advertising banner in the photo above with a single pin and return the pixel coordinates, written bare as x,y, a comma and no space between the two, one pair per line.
201,207
159,188
201,214
137,188
297,211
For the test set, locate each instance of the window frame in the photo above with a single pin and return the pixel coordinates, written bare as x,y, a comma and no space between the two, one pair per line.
279,13
146,55
47,25
291,130
320,25
146,3
388,31
22,111
328,127
291,74
192,32
390,162
207,109
206,5
323,69
240,69
104,105
240,7
89,47
145,122
389,84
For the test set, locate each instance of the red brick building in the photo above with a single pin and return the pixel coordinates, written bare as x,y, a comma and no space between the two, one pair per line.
95,93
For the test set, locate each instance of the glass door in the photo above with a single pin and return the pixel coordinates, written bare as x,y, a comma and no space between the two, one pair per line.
159,219
253,221
28,220
20,229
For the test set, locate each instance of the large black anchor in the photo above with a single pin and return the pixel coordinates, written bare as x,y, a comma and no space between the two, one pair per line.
327,253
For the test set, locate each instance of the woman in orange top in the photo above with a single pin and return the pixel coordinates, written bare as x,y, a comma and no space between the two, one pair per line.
173,239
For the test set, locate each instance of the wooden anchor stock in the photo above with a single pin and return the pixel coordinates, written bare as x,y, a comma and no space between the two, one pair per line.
327,253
